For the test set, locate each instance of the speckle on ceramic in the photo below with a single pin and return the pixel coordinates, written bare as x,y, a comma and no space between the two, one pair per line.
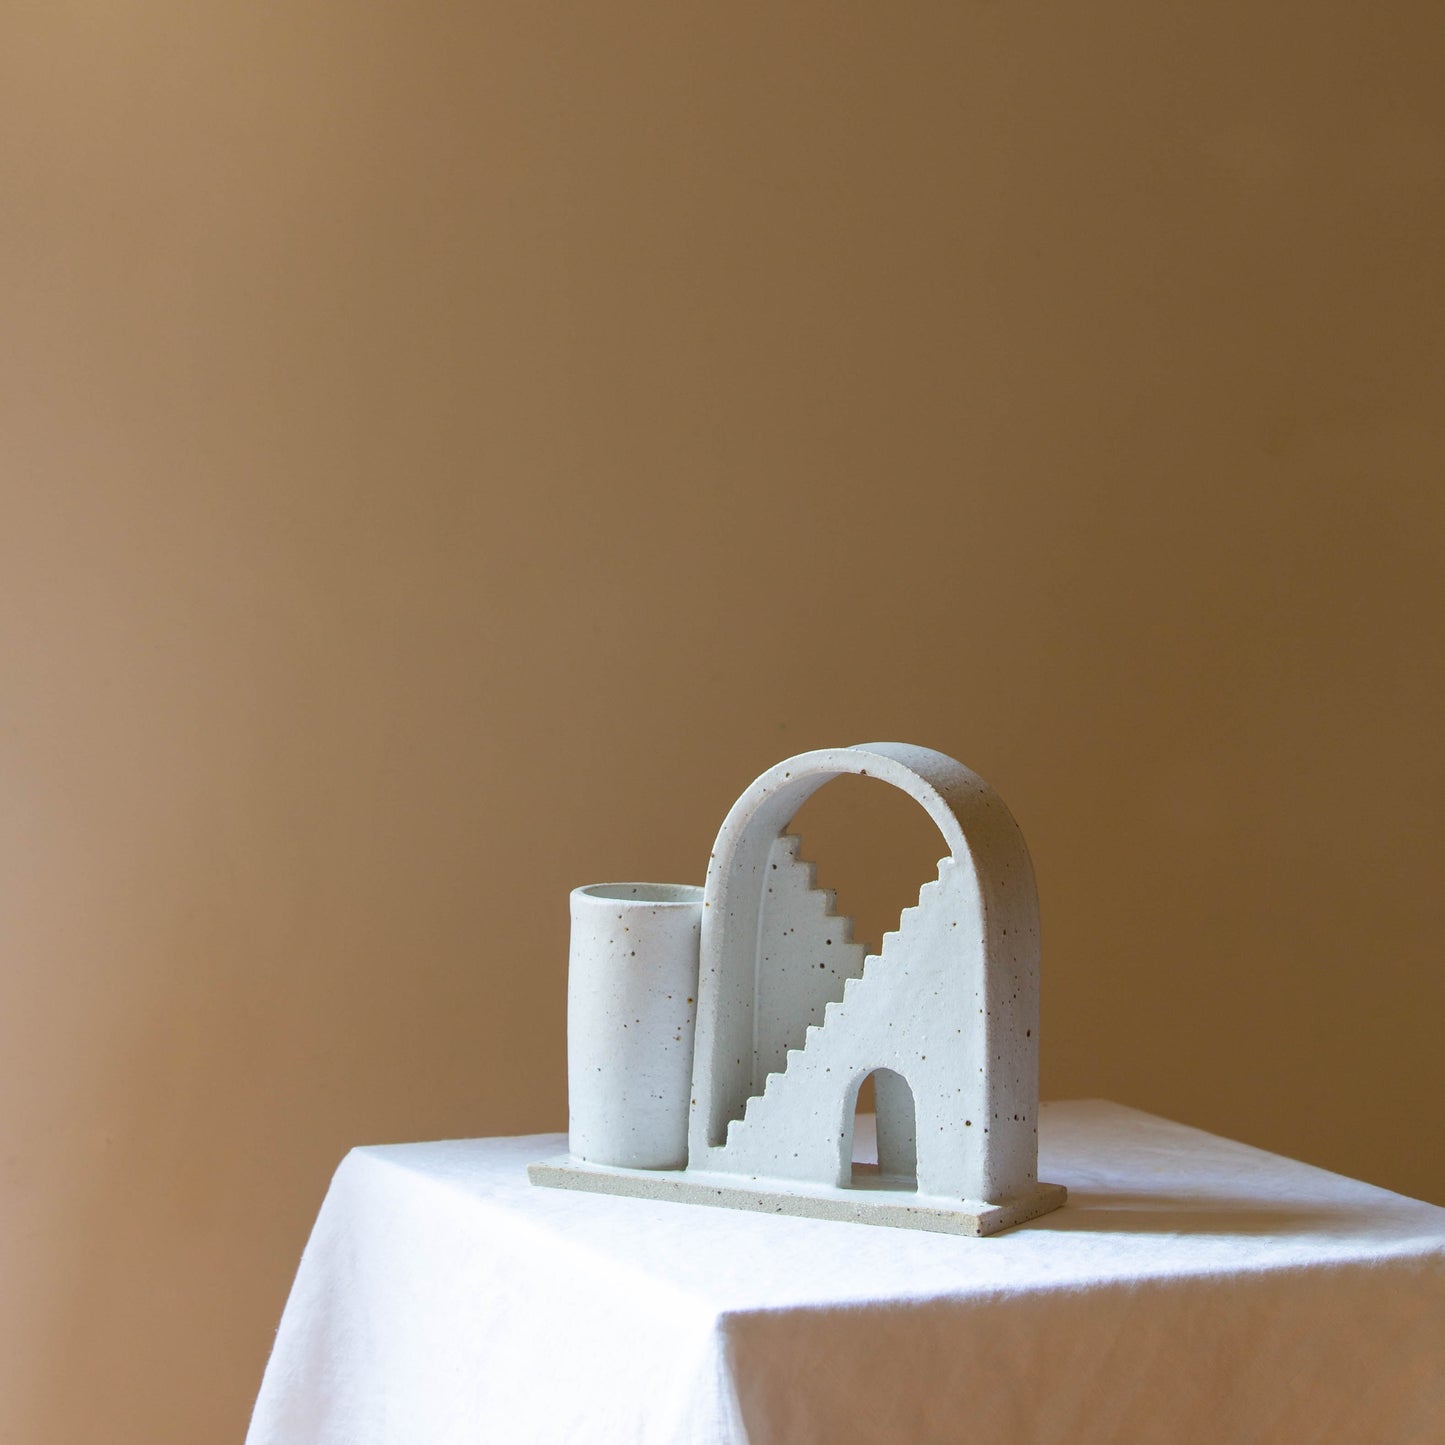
792,1017
631,1006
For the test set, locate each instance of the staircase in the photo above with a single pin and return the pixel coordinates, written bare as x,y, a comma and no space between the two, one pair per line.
778,1133
806,955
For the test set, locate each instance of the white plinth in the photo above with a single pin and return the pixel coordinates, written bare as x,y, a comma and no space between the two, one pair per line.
1192,1289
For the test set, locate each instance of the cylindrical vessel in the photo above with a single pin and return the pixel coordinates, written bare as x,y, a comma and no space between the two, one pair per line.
631,1006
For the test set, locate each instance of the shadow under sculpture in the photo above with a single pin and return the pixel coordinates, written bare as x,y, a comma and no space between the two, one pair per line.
792,1016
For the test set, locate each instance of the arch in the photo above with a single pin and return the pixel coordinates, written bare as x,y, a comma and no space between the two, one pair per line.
869,843
896,1123
980,836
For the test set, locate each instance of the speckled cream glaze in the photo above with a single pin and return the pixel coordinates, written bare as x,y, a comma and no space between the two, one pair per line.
791,1017
950,1005
631,1007
875,1204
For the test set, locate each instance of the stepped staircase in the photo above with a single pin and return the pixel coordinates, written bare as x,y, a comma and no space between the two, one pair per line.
806,954
777,1133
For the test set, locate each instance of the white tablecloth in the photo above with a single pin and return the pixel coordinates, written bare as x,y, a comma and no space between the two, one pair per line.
1193,1289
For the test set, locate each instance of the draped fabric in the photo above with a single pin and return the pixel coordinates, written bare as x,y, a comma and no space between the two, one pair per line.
1193,1289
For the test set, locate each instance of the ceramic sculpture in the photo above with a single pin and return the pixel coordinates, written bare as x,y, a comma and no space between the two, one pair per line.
791,1017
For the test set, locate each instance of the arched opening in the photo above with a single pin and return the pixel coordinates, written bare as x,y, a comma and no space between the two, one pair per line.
873,848
884,1146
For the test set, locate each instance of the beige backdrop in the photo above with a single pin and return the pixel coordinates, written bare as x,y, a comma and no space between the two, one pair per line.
449,450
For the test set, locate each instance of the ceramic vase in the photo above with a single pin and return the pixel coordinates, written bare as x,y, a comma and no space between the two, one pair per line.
631,1010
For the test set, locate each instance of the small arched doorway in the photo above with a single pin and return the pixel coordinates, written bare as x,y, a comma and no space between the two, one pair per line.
889,1159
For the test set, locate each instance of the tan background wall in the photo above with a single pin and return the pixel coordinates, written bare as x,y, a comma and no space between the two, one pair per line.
449,450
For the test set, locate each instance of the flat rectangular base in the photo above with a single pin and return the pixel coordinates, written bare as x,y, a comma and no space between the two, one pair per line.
872,1200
